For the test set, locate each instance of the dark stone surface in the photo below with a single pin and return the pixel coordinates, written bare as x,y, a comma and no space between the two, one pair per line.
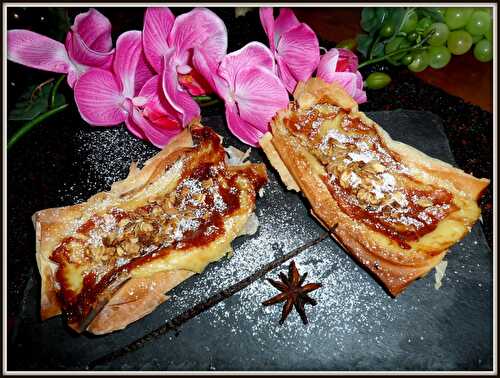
37,162
355,326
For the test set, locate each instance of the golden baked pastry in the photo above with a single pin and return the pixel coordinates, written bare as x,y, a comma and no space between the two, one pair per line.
398,210
109,261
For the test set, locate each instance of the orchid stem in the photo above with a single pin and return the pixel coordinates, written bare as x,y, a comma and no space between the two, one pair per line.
415,47
28,126
208,103
54,91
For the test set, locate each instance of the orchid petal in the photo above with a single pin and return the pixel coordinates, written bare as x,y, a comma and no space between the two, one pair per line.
253,54
127,56
240,128
37,51
81,54
285,75
180,100
158,23
98,97
267,21
134,128
299,48
150,88
359,80
153,92
159,137
94,29
346,80
194,83
328,65
347,62
360,96
259,95
208,69
143,73
340,65
184,69
284,22
199,28
73,76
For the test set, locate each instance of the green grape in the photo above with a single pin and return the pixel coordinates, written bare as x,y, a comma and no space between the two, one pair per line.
487,10
476,38
440,35
407,60
483,51
412,37
439,56
347,44
478,23
424,24
420,61
396,44
377,80
410,23
387,29
457,18
459,42
489,34
441,11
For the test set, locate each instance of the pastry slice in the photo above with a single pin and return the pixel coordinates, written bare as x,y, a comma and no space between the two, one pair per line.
109,261
398,210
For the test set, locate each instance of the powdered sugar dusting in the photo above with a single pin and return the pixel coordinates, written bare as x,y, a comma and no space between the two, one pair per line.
103,156
341,301
334,134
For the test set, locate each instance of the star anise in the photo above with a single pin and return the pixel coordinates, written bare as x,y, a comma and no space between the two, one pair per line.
293,293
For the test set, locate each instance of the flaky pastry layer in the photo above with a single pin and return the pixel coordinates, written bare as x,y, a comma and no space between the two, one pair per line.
110,260
397,209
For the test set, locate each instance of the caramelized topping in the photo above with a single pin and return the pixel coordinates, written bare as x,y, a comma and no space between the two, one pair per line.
366,179
112,244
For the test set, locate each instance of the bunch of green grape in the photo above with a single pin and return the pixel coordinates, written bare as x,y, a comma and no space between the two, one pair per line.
461,30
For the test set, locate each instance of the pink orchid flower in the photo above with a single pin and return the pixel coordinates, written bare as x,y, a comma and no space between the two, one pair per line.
341,66
168,45
88,44
130,94
246,81
294,45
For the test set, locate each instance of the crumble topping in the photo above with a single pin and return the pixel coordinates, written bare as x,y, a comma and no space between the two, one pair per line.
366,179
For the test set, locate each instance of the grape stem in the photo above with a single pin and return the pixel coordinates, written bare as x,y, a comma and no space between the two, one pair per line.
380,59
372,46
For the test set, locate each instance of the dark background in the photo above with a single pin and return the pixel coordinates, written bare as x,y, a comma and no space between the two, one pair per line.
36,163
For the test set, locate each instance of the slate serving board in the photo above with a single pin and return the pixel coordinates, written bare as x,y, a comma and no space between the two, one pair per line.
354,326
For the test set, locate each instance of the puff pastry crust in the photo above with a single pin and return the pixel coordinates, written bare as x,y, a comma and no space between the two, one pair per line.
109,261
397,209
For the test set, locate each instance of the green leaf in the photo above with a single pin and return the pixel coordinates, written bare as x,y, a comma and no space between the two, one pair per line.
372,18
432,13
364,42
382,14
378,50
60,100
31,103
35,101
367,19
398,16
